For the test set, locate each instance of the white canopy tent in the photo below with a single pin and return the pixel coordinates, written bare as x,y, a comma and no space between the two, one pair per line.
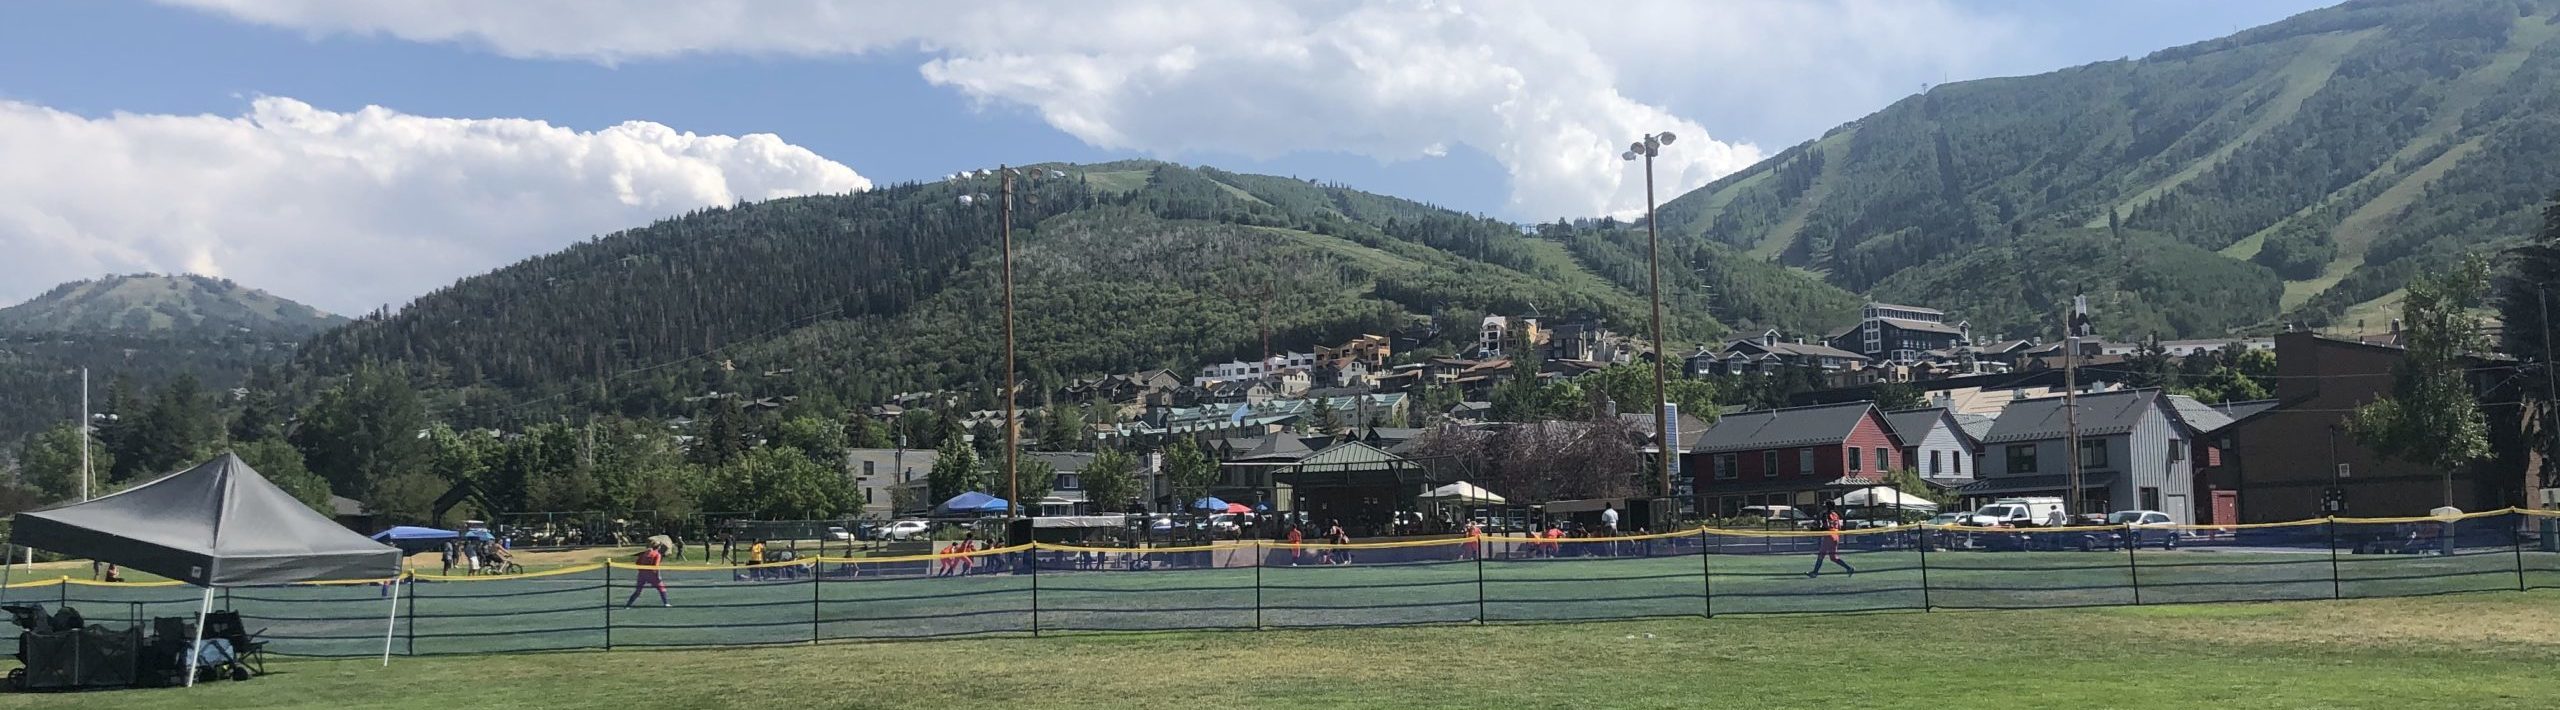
1464,492
1885,496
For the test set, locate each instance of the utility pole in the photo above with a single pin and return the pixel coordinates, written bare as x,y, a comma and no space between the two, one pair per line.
1012,428
2071,403
84,433
1648,149
2551,388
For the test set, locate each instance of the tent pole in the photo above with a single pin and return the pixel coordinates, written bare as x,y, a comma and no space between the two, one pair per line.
196,650
394,624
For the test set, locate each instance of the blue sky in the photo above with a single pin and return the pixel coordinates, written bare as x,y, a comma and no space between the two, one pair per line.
915,103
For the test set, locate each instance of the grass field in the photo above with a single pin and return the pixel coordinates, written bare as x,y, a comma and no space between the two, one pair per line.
2484,650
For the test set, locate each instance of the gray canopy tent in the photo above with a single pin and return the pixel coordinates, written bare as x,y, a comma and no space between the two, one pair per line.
219,524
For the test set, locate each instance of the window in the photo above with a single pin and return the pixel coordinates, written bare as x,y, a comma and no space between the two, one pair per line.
867,468
1959,463
1804,462
1769,464
1853,458
1884,461
1933,463
1725,466
2093,453
2150,498
1069,482
2177,451
2022,458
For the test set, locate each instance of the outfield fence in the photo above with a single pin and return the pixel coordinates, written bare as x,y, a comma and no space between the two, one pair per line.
1247,585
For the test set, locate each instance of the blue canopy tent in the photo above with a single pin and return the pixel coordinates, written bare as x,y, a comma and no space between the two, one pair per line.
1211,503
972,503
412,539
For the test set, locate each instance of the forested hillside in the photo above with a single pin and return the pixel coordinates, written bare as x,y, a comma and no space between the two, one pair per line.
2341,150
149,329
849,299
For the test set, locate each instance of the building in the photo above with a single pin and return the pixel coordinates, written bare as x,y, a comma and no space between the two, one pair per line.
1498,332
880,473
2135,453
1066,489
1588,341
2280,462
1769,353
1936,445
1249,369
1369,351
1977,394
2215,505
1900,333
1798,456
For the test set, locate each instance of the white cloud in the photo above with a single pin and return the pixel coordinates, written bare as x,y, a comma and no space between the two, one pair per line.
350,210
1543,87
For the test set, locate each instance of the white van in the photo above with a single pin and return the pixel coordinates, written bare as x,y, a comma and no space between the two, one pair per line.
2031,511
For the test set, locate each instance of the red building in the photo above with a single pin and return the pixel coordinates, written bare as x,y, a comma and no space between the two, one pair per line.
1797,456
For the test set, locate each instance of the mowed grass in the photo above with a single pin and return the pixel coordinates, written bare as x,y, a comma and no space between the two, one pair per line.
2471,650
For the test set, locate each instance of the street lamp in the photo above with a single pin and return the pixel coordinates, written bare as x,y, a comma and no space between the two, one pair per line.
1649,148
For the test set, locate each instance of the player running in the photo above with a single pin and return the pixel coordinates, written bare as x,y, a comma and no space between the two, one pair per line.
1830,545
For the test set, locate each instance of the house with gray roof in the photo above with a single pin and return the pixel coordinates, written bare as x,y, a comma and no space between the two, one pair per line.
1797,456
1770,352
2136,452
1936,445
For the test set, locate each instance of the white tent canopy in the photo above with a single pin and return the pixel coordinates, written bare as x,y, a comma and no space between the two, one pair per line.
1464,492
1886,496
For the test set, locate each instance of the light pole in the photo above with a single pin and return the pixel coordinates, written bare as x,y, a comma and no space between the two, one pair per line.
1648,149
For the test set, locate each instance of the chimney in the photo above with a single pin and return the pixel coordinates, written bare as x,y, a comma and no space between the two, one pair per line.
2395,326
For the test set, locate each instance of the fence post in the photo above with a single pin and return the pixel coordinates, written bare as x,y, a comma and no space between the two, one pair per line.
411,642
1475,546
817,578
1260,555
2518,530
1034,552
608,605
2337,587
1925,605
1706,574
2133,561
62,592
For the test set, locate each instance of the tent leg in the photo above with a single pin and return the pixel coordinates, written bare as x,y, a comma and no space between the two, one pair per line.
196,650
394,624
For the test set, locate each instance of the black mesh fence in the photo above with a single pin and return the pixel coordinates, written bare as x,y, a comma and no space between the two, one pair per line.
1255,584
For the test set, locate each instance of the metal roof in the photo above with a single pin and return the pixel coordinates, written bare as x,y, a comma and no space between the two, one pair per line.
2101,414
1783,428
1912,425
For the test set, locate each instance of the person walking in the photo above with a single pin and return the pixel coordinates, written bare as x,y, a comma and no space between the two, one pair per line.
648,562
755,556
1340,539
452,549
1829,545
1297,538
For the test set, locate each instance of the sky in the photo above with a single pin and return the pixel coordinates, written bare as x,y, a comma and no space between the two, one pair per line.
356,154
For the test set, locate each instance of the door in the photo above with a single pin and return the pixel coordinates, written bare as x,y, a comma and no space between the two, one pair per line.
2177,507
2226,508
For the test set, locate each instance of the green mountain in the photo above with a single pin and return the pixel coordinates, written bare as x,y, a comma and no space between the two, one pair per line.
183,304
2324,159
146,329
850,299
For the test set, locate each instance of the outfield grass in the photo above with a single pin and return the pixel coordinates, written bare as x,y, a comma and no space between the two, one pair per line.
2472,651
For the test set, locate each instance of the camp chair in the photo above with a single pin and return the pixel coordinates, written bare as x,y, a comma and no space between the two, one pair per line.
247,650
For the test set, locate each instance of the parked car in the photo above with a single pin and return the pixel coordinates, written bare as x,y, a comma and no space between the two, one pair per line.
1946,519
907,530
2016,512
838,534
2138,528
1782,516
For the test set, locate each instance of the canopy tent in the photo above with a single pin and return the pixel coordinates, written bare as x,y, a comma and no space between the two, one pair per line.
412,539
1464,492
1209,503
1238,508
220,524
972,503
1885,496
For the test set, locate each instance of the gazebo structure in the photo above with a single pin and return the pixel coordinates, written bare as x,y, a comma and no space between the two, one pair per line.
1361,485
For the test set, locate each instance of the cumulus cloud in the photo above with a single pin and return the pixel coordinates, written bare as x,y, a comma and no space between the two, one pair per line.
350,210
1542,87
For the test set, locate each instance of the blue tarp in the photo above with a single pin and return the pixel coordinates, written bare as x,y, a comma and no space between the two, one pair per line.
972,502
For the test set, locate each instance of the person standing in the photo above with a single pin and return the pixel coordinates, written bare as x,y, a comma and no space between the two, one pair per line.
755,556
1609,521
1829,546
1297,537
648,562
1340,539
451,550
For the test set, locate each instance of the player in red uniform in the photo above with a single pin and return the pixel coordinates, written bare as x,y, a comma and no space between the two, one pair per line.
648,577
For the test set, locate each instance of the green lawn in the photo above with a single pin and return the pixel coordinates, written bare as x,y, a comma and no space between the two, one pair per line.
2472,651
